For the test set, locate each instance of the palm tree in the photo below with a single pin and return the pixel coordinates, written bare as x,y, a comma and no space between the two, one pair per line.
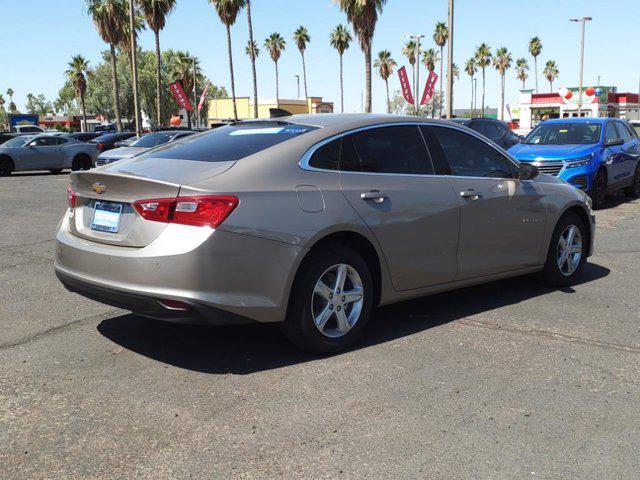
535,48
551,72
127,45
385,65
275,44
302,38
409,51
483,60
470,69
255,53
77,75
429,58
156,13
228,11
252,50
363,16
522,65
502,63
440,36
340,39
110,18
181,70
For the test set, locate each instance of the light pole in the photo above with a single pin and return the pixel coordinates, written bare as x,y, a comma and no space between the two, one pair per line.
298,79
449,106
195,94
134,68
416,87
583,21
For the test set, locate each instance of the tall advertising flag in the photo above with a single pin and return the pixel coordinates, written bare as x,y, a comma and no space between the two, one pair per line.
203,96
405,85
429,88
180,96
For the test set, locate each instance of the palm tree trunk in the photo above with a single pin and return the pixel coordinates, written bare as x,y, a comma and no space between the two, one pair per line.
304,76
471,109
341,88
367,83
550,86
441,65
253,63
386,81
483,79
116,89
413,71
502,97
158,80
233,86
84,113
277,88
535,67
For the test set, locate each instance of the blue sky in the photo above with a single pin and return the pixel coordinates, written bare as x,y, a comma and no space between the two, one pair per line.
40,36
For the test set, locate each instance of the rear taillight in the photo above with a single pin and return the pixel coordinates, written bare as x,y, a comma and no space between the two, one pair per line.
101,146
205,211
71,197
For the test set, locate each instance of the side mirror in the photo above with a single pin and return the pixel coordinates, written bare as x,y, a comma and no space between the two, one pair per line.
614,142
528,171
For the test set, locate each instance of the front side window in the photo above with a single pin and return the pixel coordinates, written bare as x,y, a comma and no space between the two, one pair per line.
564,134
466,155
623,133
395,149
611,133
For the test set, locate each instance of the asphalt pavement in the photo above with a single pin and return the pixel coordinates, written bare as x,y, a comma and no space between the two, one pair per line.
508,380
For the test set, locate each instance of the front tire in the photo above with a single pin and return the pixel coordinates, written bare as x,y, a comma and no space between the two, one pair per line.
567,252
633,190
331,300
598,191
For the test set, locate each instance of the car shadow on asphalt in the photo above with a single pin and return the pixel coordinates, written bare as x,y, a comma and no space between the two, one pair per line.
245,349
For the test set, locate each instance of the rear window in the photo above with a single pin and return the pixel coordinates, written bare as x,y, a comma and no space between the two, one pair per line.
152,140
230,142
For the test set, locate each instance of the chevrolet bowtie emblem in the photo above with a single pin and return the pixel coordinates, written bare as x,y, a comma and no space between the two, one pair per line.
99,187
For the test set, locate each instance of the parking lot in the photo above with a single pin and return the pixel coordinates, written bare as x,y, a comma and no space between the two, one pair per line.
507,380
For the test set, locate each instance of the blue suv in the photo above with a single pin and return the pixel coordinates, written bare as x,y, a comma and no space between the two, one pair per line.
599,155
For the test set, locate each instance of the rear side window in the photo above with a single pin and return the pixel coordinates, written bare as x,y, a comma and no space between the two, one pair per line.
230,142
399,150
327,156
466,155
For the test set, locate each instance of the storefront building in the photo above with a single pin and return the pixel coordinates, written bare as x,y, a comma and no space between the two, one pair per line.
221,110
596,102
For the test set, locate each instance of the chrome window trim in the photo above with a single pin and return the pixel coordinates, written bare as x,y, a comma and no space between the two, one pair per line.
304,160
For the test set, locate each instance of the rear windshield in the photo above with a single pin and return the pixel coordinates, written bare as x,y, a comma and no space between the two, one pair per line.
564,134
230,142
112,136
152,140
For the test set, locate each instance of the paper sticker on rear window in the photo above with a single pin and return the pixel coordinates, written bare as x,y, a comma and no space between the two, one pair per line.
257,131
564,130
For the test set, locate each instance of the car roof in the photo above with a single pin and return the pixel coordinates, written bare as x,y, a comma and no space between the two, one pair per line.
585,120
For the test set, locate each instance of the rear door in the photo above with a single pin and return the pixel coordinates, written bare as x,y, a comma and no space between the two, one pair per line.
629,152
614,156
387,177
502,219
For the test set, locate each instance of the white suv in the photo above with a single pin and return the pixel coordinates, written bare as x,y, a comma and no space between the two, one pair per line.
30,129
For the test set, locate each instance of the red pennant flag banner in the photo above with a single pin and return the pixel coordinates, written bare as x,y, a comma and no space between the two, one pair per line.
405,85
429,88
181,98
203,96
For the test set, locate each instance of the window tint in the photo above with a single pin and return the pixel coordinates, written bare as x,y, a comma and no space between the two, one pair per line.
30,129
466,155
45,141
61,141
398,150
610,132
231,142
326,156
622,131
152,140
488,129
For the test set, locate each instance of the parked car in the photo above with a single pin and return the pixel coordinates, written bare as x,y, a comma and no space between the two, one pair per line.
599,155
28,129
5,136
314,220
85,136
107,141
635,124
142,144
495,130
46,152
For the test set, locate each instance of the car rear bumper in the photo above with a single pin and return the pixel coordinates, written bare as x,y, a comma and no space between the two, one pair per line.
224,277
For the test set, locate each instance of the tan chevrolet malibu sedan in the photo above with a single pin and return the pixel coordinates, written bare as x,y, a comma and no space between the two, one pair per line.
313,221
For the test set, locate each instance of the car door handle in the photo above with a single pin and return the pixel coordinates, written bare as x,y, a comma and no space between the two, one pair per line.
471,194
374,195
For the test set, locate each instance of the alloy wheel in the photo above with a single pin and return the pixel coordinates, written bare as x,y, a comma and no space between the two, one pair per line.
569,250
337,300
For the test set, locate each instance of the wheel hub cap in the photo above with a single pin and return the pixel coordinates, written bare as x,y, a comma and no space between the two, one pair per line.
569,250
337,300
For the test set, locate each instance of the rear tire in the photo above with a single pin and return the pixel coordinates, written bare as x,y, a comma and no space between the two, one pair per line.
567,252
633,190
598,191
329,320
81,162
55,171
6,166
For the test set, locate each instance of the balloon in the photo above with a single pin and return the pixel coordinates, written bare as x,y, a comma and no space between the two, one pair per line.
598,91
568,95
175,121
590,91
563,91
